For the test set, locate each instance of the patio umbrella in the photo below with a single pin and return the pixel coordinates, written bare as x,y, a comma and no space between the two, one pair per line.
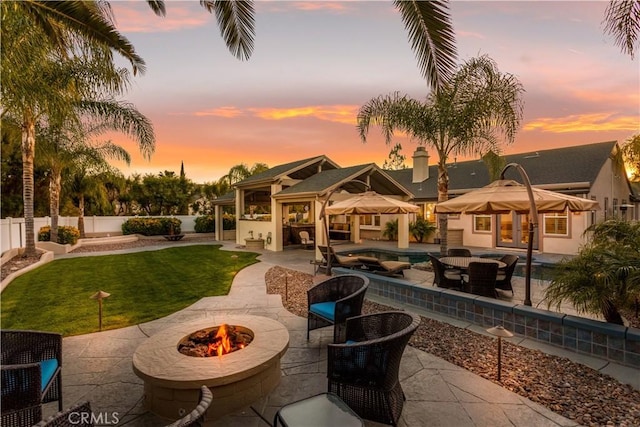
367,203
504,196
370,203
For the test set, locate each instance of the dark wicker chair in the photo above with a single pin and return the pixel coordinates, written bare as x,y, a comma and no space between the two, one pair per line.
503,280
197,416
332,301
363,370
443,277
481,279
31,375
459,252
79,415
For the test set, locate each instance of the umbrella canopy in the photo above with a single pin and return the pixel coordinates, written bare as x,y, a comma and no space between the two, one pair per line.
504,196
369,203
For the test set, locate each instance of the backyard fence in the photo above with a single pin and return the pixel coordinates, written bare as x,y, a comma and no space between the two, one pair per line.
12,231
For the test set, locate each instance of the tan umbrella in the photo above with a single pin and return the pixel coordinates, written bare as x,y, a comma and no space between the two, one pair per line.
504,196
370,203
367,203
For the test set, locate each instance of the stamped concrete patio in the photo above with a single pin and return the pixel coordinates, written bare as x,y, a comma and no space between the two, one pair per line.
98,367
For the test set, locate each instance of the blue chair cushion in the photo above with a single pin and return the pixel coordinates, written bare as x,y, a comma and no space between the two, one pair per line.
48,368
324,309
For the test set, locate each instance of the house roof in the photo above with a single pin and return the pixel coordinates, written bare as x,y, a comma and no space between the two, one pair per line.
327,180
226,199
558,166
300,169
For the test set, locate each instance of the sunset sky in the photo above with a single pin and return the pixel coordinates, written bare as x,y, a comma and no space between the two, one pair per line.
315,63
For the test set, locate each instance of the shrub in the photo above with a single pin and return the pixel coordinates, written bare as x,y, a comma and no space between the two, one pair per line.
152,226
205,224
66,235
228,221
391,230
421,229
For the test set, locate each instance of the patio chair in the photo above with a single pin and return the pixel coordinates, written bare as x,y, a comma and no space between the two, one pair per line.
503,280
197,416
305,239
444,277
459,252
79,415
31,375
481,279
332,301
363,368
338,260
387,268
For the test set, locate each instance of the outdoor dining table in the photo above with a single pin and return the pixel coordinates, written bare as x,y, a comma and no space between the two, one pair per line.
464,261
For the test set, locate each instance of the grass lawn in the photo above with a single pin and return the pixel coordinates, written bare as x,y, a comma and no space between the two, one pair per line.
143,286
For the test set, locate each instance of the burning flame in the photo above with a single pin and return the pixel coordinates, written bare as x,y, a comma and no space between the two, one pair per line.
221,343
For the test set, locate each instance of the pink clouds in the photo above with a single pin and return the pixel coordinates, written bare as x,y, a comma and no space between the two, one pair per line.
584,123
137,17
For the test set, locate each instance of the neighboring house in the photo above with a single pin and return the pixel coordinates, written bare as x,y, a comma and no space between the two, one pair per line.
593,171
277,204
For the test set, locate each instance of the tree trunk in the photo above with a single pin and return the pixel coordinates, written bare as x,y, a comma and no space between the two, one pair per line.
611,313
443,188
54,203
28,156
81,216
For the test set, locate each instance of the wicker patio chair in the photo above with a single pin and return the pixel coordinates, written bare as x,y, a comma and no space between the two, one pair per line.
79,415
31,375
458,252
332,301
363,370
443,277
197,416
481,279
503,280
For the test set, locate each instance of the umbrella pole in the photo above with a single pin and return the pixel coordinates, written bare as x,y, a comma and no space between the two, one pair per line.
527,283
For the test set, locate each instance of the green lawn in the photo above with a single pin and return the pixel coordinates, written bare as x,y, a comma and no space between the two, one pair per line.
143,286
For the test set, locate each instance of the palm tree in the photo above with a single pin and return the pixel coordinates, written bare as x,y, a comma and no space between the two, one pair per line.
622,21
466,116
605,275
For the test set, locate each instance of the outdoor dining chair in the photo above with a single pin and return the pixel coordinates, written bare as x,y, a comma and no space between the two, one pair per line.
332,301
503,280
78,415
363,369
443,277
31,375
458,252
481,279
305,239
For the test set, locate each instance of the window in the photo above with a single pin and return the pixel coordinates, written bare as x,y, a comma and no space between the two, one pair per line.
482,223
556,224
370,220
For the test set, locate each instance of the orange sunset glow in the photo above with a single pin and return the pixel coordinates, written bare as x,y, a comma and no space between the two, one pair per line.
316,63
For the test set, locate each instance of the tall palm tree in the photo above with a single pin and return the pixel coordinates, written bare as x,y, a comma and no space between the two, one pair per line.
468,115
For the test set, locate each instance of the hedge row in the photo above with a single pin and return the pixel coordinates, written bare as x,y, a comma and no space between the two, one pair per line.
65,234
152,226
207,223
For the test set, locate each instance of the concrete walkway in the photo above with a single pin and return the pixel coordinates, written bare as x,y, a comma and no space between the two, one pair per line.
97,367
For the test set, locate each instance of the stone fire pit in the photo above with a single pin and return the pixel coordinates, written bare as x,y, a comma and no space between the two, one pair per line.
172,380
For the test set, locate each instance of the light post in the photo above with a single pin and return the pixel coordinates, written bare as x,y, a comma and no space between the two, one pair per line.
100,295
500,332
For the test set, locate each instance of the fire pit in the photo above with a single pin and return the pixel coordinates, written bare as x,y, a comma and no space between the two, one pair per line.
216,341
172,379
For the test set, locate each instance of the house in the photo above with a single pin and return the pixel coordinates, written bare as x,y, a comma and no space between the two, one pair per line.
592,171
274,206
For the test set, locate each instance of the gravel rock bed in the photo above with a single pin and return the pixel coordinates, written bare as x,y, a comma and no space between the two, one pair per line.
570,389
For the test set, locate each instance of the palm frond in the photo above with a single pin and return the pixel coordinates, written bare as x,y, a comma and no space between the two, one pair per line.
158,7
237,24
622,21
432,38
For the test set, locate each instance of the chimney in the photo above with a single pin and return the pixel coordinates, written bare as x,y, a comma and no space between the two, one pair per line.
420,165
